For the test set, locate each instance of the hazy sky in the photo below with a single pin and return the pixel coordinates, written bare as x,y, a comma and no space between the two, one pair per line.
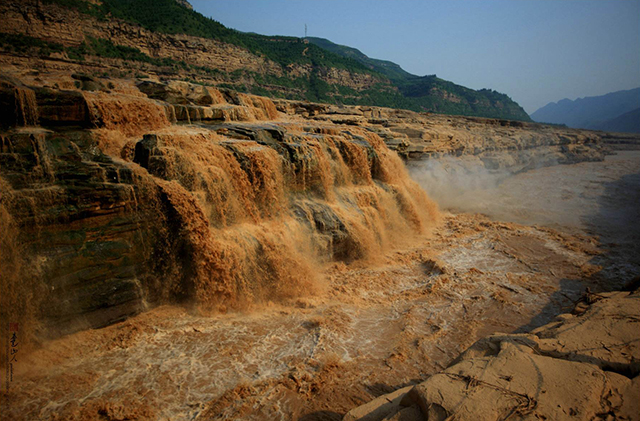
536,51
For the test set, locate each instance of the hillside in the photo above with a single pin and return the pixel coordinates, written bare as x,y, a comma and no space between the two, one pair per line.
390,69
430,93
168,38
589,112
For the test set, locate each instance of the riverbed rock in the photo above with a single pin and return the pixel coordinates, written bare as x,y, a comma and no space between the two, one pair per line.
582,366
379,408
601,331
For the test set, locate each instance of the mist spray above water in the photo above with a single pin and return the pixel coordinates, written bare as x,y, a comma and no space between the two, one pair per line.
465,184
576,196
458,183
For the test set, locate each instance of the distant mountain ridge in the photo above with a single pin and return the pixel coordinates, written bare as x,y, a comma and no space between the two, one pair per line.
388,68
596,113
625,123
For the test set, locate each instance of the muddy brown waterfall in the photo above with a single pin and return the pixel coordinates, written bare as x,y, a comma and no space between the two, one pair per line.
26,108
257,217
216,217
297,237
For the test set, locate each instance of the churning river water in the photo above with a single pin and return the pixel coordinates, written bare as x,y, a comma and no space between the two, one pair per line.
375,327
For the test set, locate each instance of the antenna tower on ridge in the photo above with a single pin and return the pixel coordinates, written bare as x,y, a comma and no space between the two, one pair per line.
305,30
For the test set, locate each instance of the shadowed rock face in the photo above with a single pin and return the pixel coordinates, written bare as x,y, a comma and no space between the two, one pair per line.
77,211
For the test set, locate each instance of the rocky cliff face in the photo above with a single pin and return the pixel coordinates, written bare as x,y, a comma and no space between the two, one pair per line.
69,27
51,22
496,144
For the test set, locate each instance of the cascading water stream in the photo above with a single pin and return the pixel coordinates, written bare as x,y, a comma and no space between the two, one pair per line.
26,108
257,217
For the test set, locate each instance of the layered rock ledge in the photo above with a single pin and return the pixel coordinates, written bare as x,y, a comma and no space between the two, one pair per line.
116,198
498,144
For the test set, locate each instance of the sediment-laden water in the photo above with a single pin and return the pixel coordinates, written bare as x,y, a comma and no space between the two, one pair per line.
595,198
375,325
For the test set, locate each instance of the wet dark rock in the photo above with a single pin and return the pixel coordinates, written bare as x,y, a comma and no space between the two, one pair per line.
261,133
178,93
79,212
329,229
57,107
150,153
163,92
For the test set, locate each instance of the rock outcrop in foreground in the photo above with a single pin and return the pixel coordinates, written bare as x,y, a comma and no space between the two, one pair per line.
584,365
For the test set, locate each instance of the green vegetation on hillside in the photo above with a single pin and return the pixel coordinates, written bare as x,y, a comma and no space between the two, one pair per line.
443,96
391,70
104,48
81,6
396,88
430,93
22,44
167,16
